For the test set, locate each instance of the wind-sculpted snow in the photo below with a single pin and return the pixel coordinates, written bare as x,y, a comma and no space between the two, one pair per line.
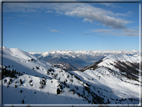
28,80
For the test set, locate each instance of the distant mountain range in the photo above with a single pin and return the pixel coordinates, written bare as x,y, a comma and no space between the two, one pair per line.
78,59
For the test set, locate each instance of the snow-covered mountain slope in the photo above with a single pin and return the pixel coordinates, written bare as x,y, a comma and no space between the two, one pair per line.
33,81
36,82
23,62
123,58
123,65
118,84
110,87
78,59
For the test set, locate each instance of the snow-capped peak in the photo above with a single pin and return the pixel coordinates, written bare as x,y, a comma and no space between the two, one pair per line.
123,58
17,53
85,52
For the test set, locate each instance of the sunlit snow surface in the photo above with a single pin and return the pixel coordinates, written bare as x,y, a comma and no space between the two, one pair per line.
100,81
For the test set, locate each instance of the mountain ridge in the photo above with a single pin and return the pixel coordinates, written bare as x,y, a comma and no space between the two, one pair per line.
123,64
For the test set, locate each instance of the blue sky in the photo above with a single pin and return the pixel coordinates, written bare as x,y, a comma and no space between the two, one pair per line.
42,27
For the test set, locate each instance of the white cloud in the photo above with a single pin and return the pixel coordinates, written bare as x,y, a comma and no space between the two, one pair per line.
53,30
112,32
130,32
97,14
102,30
126,14
85,11
87,20
91,13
